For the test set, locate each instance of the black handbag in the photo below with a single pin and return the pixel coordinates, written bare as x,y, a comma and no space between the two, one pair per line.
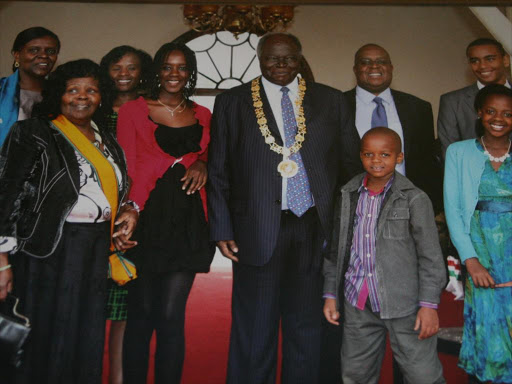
14,330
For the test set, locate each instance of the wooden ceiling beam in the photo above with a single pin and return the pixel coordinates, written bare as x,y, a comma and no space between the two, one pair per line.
308,2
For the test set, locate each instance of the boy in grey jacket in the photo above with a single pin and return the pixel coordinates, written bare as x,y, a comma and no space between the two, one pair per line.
385,270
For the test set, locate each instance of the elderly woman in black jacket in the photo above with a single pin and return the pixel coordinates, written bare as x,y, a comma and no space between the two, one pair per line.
62,188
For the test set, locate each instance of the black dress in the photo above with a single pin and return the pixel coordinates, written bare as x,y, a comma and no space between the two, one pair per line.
173,245
172,231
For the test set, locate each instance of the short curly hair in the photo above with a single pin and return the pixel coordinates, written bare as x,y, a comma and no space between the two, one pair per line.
161,55
109,91
56,84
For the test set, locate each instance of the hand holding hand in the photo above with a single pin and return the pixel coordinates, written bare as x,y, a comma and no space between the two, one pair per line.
123,243
228,248
427,322
195,177
6,279
480,275
126,223
330,312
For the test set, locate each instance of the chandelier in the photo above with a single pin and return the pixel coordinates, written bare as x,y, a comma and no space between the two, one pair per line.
237,19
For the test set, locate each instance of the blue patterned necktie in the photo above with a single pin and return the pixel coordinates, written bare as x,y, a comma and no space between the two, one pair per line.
379,117
298,192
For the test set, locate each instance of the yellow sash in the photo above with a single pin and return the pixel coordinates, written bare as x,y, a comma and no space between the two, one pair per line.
103,168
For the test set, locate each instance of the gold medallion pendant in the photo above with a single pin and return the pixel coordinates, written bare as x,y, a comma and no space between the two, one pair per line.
288,168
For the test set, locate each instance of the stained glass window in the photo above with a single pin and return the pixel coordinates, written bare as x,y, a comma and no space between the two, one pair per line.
223,61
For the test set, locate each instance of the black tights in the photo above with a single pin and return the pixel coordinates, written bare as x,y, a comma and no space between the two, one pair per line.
156,303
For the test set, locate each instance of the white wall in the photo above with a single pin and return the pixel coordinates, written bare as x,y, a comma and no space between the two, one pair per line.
426,44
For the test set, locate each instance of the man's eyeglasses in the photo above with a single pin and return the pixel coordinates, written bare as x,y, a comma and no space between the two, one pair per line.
369,62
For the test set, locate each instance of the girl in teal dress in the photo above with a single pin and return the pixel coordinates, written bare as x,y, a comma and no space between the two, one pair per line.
486,352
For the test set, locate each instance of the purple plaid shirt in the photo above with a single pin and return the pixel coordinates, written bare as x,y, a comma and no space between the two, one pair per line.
360,279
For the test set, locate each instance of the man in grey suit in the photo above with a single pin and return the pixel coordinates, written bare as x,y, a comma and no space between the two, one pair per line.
457,117
279,148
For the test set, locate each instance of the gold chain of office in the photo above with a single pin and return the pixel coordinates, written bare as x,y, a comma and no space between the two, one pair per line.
262,120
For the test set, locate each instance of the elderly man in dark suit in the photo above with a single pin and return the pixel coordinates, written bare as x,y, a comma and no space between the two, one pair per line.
457,116
279,147
374,103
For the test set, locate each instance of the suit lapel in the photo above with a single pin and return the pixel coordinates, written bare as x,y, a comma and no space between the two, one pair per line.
351,101
405,120
470,96
271,121
310,123
67,152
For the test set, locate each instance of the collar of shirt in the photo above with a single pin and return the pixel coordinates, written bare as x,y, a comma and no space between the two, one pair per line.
273,91
367,97
96,130
480,85
384,190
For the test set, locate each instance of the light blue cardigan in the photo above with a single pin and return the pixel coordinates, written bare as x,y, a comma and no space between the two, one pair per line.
464,166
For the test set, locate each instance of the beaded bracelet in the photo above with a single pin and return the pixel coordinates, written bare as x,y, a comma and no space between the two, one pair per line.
5,267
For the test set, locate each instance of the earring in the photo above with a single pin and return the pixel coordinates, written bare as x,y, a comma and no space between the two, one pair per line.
16,64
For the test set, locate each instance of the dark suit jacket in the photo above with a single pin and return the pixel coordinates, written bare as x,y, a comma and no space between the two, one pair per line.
244,192
457,117
421,164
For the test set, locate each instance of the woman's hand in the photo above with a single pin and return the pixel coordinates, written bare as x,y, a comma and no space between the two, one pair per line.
126,223
195,177
5,276
480,275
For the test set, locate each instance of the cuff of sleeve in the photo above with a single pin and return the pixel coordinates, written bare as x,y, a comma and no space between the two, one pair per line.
329,296
463,261
8,244
133,204
426,304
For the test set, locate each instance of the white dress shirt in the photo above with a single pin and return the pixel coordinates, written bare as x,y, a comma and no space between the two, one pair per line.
480,85
364,111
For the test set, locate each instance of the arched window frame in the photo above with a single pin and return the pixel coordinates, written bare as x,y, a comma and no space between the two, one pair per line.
305,70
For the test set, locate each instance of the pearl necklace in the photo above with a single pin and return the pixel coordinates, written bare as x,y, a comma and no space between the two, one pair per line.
500,159
171,110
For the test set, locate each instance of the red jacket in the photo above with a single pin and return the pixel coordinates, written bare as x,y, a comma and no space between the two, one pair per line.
146,161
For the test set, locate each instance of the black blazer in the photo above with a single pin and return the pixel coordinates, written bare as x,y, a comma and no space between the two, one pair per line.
422,158
244,191
39,184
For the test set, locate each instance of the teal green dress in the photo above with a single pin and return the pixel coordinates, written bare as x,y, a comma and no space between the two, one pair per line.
487,341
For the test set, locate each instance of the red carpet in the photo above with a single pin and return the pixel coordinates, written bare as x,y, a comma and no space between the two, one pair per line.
207,333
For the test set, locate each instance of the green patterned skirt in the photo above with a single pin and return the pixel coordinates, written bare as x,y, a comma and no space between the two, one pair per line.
117,305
